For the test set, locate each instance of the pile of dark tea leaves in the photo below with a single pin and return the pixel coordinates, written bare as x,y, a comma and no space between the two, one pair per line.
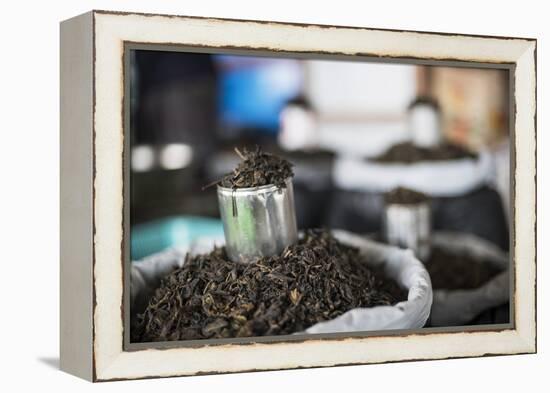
256,169
314,280
451,271
407,153
404,196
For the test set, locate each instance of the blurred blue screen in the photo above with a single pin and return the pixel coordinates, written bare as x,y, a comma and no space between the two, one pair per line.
254,90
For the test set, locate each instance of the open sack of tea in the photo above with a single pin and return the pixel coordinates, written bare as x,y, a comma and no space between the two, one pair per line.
442,178
406,270
398,265
473,276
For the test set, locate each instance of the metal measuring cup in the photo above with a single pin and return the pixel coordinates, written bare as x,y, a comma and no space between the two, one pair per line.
257,221
408,226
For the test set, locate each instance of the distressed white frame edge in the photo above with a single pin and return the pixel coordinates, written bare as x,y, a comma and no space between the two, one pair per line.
76,192
111,30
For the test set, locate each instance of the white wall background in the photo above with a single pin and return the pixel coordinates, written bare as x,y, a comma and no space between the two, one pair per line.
350,96
353,88
29,195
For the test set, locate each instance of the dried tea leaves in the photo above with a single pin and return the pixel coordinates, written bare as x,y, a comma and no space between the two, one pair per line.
315,280
407,153
258,169
452,272
404,196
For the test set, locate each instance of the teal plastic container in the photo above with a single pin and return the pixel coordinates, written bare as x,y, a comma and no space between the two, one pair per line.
177,231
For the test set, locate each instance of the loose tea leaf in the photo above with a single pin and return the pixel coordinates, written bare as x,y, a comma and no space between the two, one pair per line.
407,153
404,196
258,169
452,271
315,280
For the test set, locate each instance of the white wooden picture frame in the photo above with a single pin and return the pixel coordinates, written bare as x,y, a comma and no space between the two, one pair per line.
93,195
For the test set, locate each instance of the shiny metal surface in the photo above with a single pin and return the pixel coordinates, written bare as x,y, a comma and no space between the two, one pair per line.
409,226
257,222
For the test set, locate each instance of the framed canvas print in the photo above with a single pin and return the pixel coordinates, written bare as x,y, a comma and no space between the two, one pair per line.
244,195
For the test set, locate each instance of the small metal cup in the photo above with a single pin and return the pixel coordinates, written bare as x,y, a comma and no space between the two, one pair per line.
409,226
257,221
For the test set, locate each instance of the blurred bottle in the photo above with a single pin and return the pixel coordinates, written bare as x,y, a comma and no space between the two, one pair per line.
298,123
424,117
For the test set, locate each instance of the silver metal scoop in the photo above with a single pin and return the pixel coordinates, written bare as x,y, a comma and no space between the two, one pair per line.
257,221
409,226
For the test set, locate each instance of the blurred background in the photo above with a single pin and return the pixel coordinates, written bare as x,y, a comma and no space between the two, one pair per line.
333,120
189,110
